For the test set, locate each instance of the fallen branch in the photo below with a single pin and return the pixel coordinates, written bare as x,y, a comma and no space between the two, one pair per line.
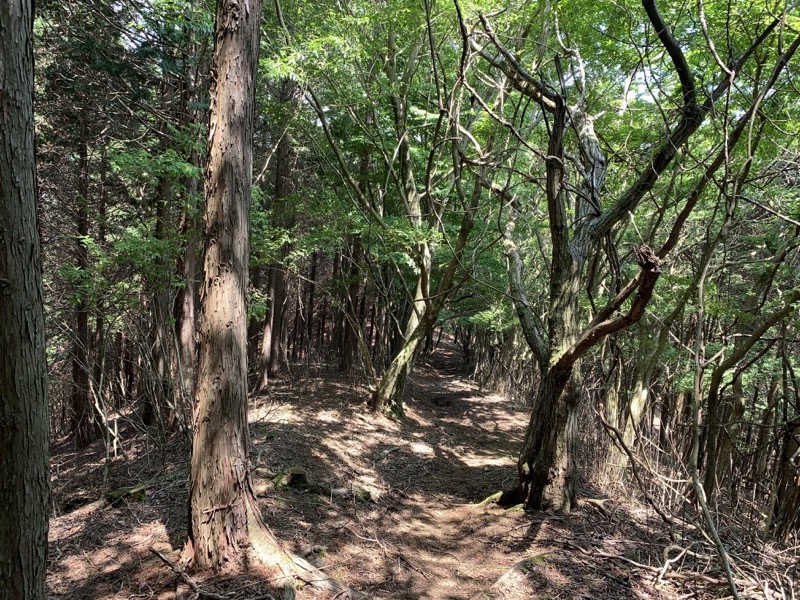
188,580
650,568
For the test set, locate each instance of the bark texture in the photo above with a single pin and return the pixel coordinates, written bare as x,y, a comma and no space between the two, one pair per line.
223,515
24,455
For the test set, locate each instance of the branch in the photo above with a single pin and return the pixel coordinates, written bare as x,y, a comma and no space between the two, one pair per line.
741,350
691,119
199,592
348,176
689,93
651,270
724,153
532,327
517,74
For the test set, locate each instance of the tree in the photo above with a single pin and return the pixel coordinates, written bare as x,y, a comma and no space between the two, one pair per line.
580,224
409,118
224,516
24,455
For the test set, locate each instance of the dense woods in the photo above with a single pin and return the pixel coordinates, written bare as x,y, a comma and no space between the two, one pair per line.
597,204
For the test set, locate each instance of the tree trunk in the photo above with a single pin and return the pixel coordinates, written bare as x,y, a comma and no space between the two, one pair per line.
763,448
739,351
349,325
787,502
388,397
24,448
185,306
185,311
310,304
224,518
159,389
82,416
547,467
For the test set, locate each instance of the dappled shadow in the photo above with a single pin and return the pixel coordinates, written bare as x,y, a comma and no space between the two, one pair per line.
420,536
101,550
391,510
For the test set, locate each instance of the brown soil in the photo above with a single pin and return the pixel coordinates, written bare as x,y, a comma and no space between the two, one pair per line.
418,535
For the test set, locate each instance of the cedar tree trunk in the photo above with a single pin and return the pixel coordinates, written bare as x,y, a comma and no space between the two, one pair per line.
224,518
24,451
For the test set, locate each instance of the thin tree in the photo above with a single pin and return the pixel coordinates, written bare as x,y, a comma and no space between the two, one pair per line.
24,455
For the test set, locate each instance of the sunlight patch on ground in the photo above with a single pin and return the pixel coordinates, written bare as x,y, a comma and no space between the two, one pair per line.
329,416
482,461
422,449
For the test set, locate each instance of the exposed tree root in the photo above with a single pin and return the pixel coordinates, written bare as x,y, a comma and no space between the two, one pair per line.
294,569
512,585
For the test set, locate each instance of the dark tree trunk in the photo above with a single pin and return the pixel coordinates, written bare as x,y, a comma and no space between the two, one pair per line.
297,322
82,426
266,351
185,310
349,324
24,449
159,389
312,284
254,325
787,503
98,347
547,467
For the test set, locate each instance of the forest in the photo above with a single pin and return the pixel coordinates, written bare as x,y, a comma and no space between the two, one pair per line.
442,299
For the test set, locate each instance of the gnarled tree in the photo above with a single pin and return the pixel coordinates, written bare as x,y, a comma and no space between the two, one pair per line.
580,223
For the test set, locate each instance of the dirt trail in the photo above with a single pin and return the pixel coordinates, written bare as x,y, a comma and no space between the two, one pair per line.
417,536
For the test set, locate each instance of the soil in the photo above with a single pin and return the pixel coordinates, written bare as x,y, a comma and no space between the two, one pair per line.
392,510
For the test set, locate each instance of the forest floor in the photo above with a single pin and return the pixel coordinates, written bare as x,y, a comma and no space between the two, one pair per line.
391,511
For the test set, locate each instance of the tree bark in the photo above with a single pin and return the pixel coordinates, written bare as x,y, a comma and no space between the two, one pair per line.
82,424
24,448
224,518
546,463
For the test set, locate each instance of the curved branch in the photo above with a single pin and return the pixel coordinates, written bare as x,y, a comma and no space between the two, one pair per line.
688,91
689,123
597,330
517,74
532,327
